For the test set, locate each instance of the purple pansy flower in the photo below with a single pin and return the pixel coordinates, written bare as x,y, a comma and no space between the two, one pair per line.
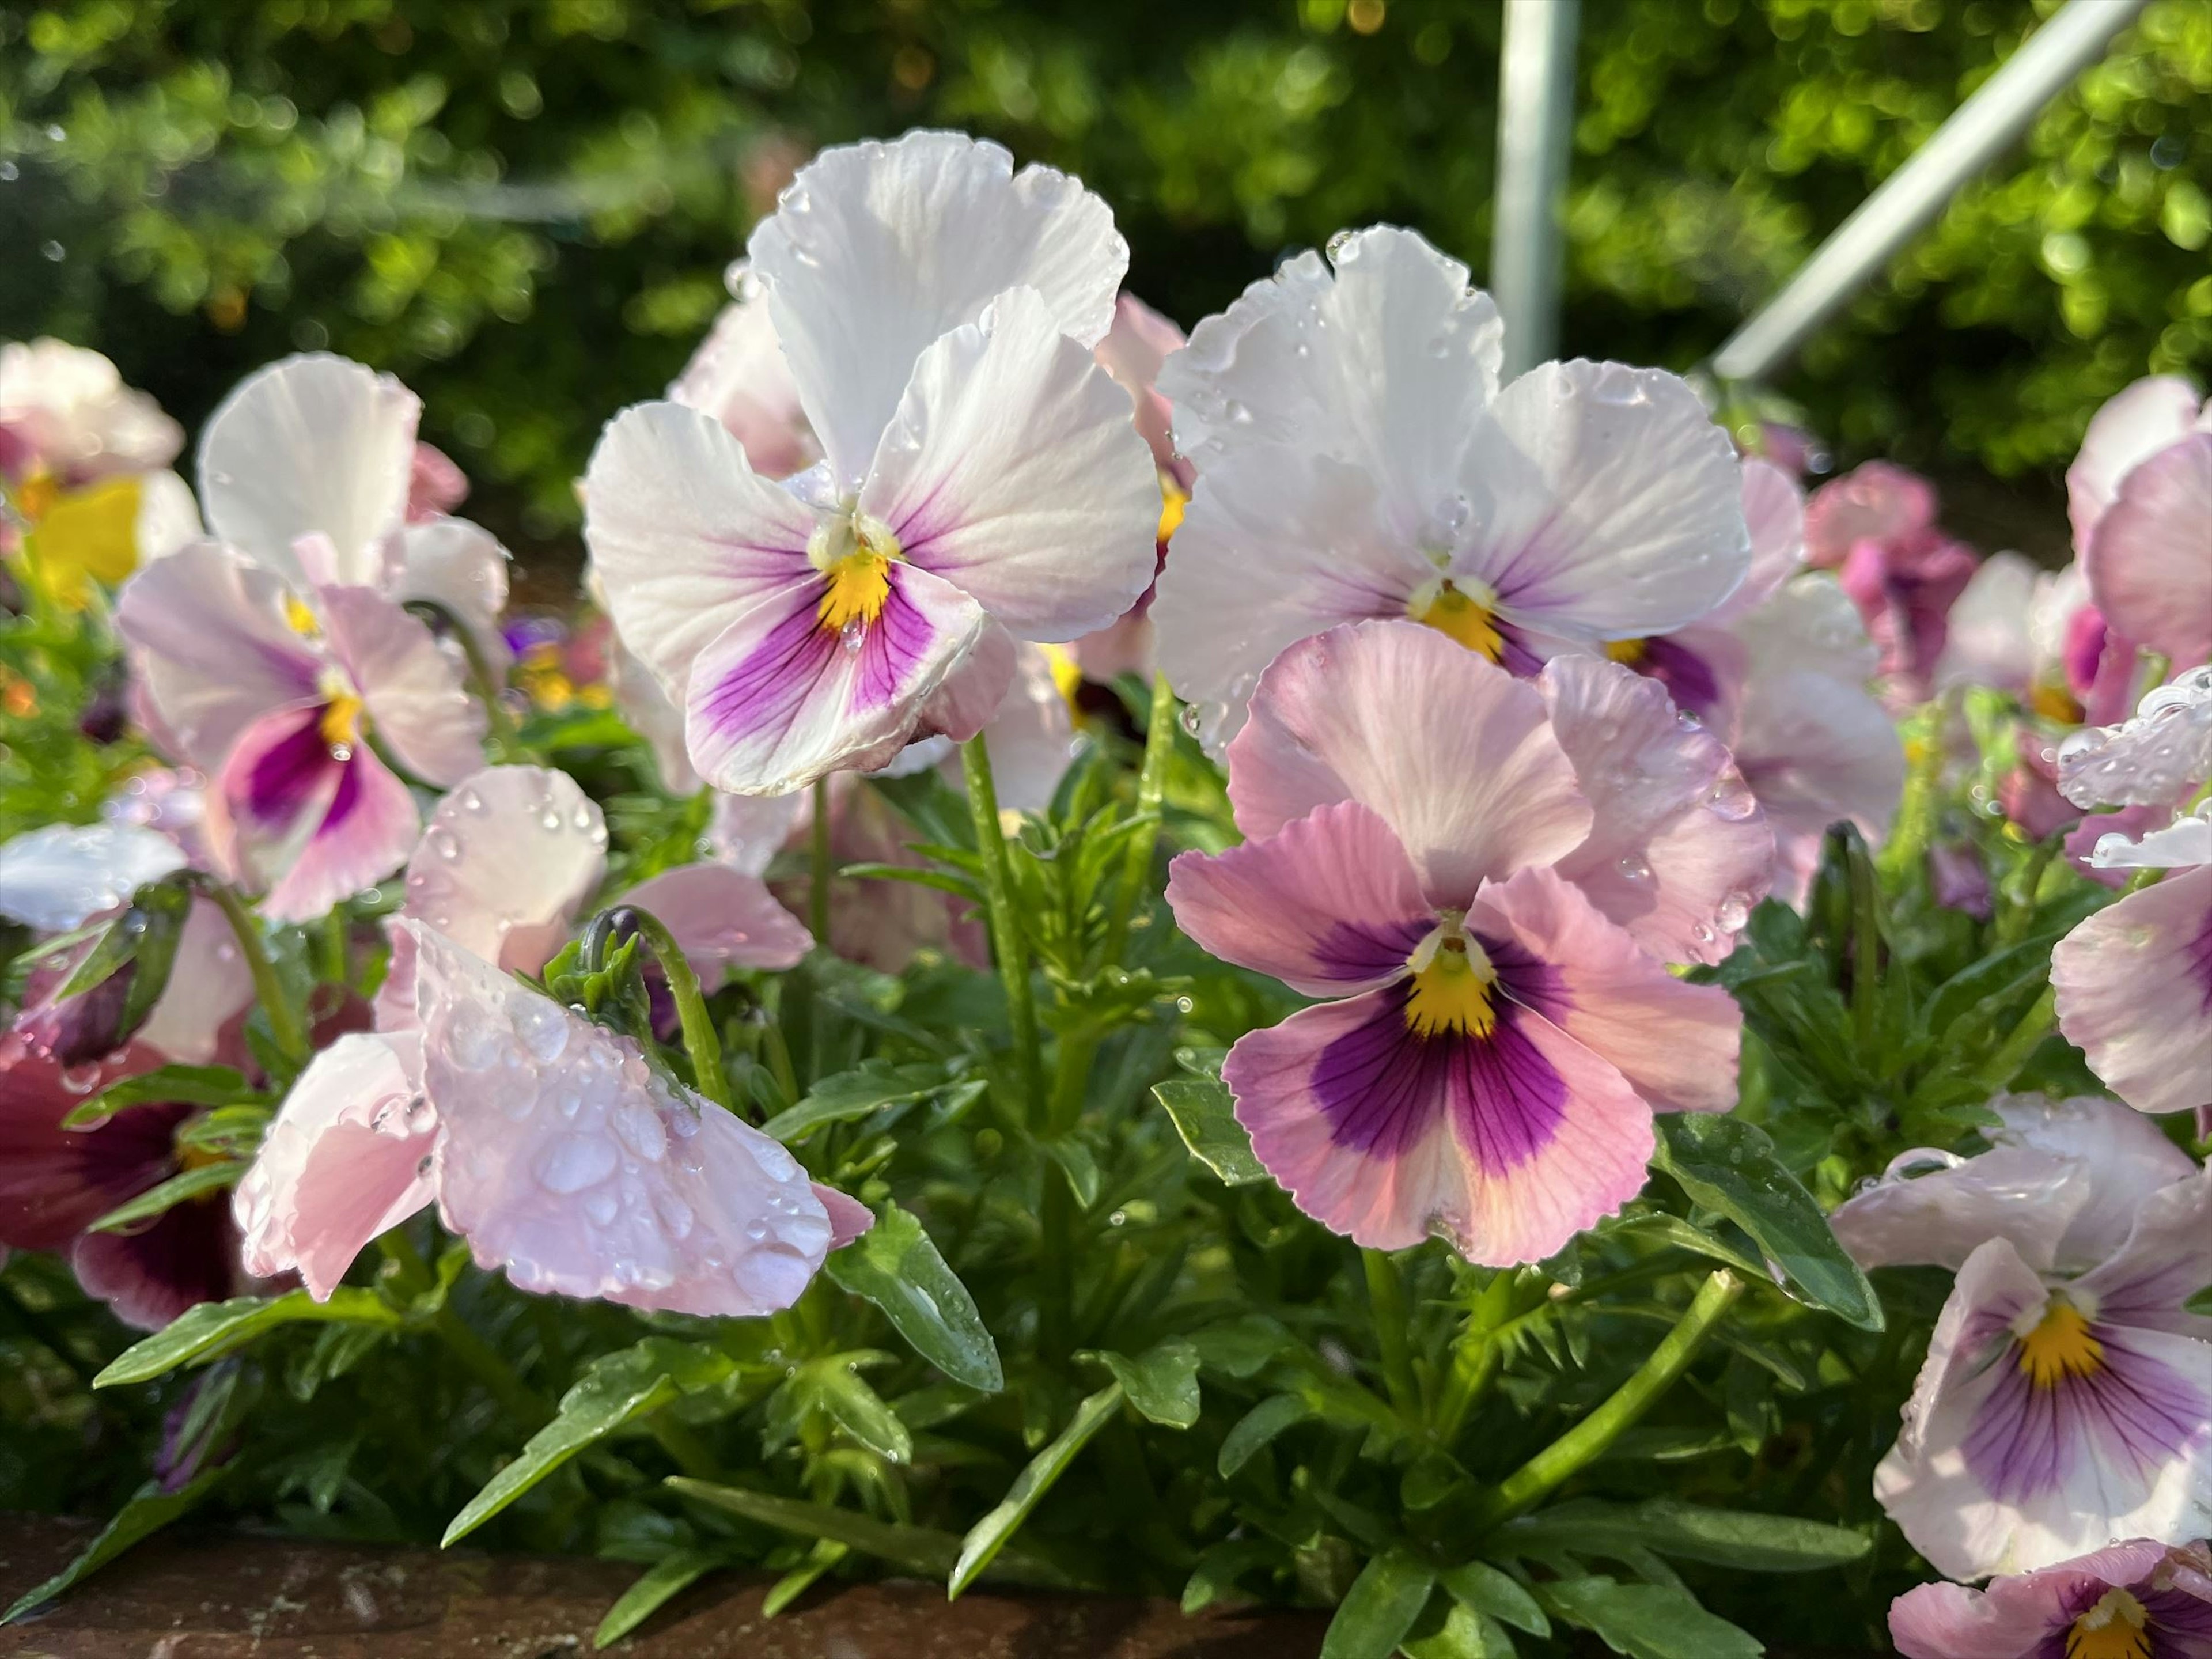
2140,1600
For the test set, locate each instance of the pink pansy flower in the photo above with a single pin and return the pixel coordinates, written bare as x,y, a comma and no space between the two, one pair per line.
2031,632
2139,494
56,1182
2067,1395
981,480
1875,527
2141,1599
1496,1046
1357,459
270,692
65,412
739,376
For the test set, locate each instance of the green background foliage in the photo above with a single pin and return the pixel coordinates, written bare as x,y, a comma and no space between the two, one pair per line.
524,206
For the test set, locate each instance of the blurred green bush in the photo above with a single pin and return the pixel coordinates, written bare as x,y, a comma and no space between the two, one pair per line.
525,206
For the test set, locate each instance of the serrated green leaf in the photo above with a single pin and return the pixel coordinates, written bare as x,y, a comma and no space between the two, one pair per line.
617,1389
177,1189
989,1535
1648,1621
1380,1608
1161,1383
1498,1594
215,1328
856,1094
896,1265
1205,1117
661,1583
184,1086
143,1514
1741,1539
1730,1166
1260,1427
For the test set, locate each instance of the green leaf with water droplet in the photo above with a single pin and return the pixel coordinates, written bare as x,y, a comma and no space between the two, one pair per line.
896,1265
1162,1382
1380,1608
1206,1117
214,1329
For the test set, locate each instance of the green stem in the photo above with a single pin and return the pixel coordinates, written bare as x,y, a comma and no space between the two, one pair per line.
2004,1064
482,681
2019,908
1070,1074
1386,1300
701,1039
1588,1439
1474,1362
1152,790
818,886
337,955
1866,947
283,1019
1006,941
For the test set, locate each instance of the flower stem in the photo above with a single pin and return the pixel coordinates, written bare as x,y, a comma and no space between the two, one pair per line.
701,1039
1006,941
1386,1300
283,1019
1151,789
2004,1063
818,886
1588,1439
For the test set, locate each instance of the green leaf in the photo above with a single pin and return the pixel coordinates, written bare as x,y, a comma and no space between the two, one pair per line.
214,1329
989,1535
1214,1578
1259,1427
921,1549
858,1409
896,1265
1205,1117
1649,1621
666,1579
1077,1163
177,1189
825,1554
1723,1538
186,1086
617,1389
1730,1166
145,1513
1464,1634
1379,1609
1161,1383
855,1094
1498,1594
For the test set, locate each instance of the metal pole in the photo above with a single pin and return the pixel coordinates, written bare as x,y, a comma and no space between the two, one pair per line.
1535,129
1910,199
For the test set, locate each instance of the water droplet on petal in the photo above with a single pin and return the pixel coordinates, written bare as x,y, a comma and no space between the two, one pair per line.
444,842
543,1028
1635,869
574,1162
476,1038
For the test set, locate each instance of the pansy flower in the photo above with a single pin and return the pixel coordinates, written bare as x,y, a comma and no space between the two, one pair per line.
1358,459
1875,528
1494,1045
2139,495
2067,1395
2140,1599
981,480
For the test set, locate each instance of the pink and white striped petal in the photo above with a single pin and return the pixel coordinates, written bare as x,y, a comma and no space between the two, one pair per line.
2133,985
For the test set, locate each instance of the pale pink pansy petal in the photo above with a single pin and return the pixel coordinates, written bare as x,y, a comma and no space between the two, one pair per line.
2150,566
312,445
566,1160
2125,842
413,690
848,1217
2131,427
1329,904
1220,618
168,516
2133,985
747,832
509,862
1012,471
2167,1260
2160,755
2021,1616
61,875
1879,502
684,536
210,639
345,1160
641,701
1507,1144
876,249
1454,754
778,700
1605,504
739,375
1990,638
208,987
1774,519
2064,1181
1676,1043
1678,851
66,406
968,699
722,919
462,567
436,483
1139,342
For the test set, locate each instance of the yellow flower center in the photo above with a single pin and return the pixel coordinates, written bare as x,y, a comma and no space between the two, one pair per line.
2113,1628
1459,615
855,553
2060,1346
1066,674
341,709
299,618
1629,652
36,496
79,536
2054,702
1174,499
1451,991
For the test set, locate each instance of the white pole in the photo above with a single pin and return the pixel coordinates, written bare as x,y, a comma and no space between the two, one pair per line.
1910,199
1535,131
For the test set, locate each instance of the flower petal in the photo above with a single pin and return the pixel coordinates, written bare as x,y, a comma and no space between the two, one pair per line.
2150,570
2131,427
316,828
150,1276
345,1160
54,1183
2015,1617
414,691
312,445
1134,350
462,567
2160,757
62,875
566,1161
509,859
1774,518
1679,852
2134,984
1329,903
739,376
877,249
208,987
1012,471
1879,502
2167,1259
1990,639
1451,751
722,919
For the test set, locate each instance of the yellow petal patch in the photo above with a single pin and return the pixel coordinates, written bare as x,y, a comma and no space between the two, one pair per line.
1451,994
1456,616
299,618
859,586
83,533
1066,674
341,721
2060,1346
2113,1628
1630,651
1174,499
